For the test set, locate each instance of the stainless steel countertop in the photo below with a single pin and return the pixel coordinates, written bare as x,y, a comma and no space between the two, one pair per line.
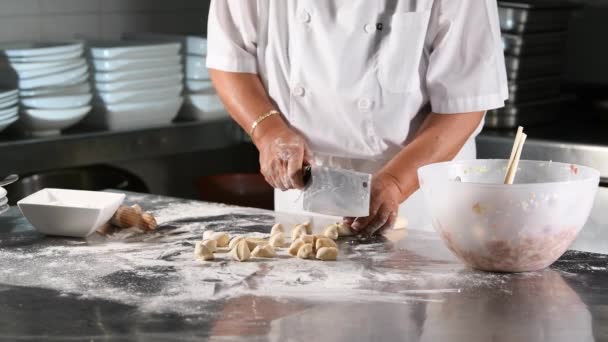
409,288
80,147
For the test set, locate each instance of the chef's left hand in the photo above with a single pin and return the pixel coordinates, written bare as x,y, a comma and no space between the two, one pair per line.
384,206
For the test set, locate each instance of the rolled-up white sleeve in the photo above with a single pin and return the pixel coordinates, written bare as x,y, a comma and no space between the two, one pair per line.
232,36
466,71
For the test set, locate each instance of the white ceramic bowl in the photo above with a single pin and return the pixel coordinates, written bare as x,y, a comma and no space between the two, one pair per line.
70,213
105,65
7,122
36,49
47,122
72,76
153,94
26,73
508,228
196,68
58,101
8,112
9,102
132,49
82,87
205,86
192,45
2,192
133,85
138,74
203,107
136,115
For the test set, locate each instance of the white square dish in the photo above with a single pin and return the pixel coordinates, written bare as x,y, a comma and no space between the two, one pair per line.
73,213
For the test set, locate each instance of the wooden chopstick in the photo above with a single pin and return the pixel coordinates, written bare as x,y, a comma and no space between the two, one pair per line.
513,164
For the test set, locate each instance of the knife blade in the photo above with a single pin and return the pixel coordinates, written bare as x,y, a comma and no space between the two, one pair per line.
336,192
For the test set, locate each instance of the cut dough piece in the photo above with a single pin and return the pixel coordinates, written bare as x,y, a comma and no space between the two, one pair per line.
327,253
344,229
277,228
223,239
211,244
305,252
264,251
324,242
307,238
308,226
295,247
235,240
207,234
254,242
332,231
241,251
202,252
401,223
298,231
277,240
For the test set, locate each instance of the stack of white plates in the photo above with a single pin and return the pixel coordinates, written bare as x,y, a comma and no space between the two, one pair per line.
137,84
201,100
53,85
9,108
3,201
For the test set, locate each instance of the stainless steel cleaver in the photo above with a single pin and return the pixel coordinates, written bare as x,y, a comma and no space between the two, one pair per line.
336,192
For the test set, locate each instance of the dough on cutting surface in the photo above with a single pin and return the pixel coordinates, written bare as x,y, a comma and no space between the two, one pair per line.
207,234
308,226
211,244
324,242
305,252
307,238
277,240
277,228
344,229
327,253
235,240
202,252
332,231
254,242
264,251
401,223
241,251
223,239
295,247
298,231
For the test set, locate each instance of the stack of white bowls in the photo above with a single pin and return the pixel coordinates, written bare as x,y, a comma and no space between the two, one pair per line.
137,84
3,200
53,85
9,109
201,101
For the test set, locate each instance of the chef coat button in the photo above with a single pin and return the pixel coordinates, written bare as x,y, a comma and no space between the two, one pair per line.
304,17
369,28
365,104
298,91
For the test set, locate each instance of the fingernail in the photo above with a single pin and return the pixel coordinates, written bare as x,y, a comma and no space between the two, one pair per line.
356,226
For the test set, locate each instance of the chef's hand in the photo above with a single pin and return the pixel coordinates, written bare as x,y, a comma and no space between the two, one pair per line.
384,206
283,153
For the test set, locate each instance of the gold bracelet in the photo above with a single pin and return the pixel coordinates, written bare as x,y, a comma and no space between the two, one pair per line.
260,119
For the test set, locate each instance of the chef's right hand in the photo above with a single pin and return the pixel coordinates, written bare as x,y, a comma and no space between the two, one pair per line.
283,153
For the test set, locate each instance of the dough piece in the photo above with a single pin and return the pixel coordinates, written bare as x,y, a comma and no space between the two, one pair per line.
298,231
241,252
305,252
325,242
308,238
327,253
401,223
277,228
207,234
308,226
211,244
263,251
277,240
254,242
295,246
235,240
332,231
223,239
202,252
344,230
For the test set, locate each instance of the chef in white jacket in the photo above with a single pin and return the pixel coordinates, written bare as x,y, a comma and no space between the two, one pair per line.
382,86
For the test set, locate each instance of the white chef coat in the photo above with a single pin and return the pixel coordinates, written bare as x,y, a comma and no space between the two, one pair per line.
357,77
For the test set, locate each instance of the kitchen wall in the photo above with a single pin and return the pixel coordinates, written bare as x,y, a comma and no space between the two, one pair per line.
99,19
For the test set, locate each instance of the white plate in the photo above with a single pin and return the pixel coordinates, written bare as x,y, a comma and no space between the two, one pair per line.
132,49
3,200
7,122
36,49
8,112
192,45
141,95
40,65
9,102
82,87
199,86
68,65
6,94
105,65
117,76
58,102
138,84
58,79
136,115
203,107
69,212
196,68
47,58
46,122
